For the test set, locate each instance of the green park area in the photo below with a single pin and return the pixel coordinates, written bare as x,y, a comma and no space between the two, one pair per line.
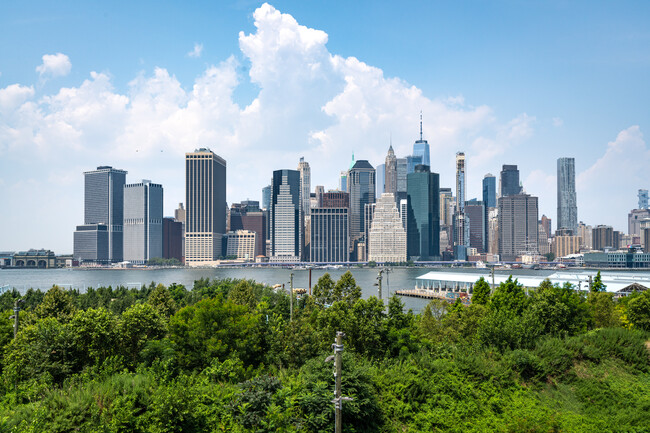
237,356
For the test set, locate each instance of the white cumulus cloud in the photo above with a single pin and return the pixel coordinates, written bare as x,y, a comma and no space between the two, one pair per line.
311,103
196,51
54,65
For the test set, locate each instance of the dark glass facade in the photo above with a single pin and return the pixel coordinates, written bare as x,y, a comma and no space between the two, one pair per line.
423,224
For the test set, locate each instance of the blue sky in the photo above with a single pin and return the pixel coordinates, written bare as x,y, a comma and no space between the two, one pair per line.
508,82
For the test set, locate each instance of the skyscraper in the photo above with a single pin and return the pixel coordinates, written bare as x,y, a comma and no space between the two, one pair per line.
518,226
460,181
489,191
330,232
424,214
380,180
361,185
510,180
205,197
643,199
390,178
421,148
266,197
305,185
567,209
143,219
475,217
461,230
387,235
286,216
103,205
401,174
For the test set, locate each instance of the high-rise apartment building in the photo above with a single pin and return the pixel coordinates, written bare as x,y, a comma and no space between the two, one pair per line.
361,186
423,221
603,237
567,208
460,227
518,230
460,182
205,198
305,185
565,245
286,216
103,205
510,180
387,235
390,168
585,233
143,219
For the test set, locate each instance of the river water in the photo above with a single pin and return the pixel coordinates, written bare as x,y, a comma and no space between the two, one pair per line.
81,278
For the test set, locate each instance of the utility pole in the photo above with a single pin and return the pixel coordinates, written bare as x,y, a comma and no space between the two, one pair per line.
387,270
291,299
16,315
379,283
338,367
492,270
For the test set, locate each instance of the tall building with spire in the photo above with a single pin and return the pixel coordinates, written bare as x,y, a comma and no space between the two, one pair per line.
390,178
421,148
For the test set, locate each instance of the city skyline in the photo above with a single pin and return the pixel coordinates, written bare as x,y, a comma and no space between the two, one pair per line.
65,109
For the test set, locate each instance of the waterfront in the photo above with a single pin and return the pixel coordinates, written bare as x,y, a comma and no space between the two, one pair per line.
398,278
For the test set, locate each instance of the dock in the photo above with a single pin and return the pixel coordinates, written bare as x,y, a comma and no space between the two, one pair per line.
448,296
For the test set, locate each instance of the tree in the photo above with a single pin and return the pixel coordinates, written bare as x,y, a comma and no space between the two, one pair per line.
603,309
638,311
137,325
242,294
214,328
56,303
324,290
43,351
346,289
481,293
597,285
162,301
95,334
509,296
